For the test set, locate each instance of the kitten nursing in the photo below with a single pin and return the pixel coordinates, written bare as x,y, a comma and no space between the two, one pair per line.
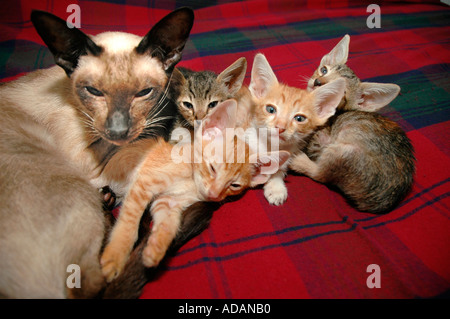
367,156
175,185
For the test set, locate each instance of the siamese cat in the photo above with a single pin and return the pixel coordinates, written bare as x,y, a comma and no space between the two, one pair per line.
58,128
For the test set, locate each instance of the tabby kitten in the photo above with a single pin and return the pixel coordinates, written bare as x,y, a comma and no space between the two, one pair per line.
202,91
366,156
364,96
293,113
174,185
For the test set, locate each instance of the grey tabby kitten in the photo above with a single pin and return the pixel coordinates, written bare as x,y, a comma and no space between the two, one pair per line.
201,91
366,156
364,96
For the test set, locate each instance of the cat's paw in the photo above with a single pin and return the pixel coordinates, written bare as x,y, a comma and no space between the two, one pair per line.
157,246
113,261
108,198
300,163
275,192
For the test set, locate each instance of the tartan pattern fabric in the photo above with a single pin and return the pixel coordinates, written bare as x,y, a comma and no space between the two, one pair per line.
315,245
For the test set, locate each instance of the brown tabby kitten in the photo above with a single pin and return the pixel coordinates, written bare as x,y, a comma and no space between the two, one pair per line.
201,91
293,113
366,156
174,184
364,96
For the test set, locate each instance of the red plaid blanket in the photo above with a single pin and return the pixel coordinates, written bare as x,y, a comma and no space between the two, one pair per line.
315,245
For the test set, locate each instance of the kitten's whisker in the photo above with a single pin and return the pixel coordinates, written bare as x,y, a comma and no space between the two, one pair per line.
304,78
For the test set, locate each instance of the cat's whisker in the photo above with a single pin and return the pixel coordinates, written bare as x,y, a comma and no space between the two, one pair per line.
156,120
152,115
304,79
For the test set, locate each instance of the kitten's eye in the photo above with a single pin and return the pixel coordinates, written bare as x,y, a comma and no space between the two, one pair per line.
300,118
324,70
144,92
271,109
188,105
212,104
235,186
93,91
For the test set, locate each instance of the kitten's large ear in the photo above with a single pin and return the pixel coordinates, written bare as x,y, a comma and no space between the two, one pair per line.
377,95
328,97
339,54
166,40
266,164
66,44
222,117
263,78
233,76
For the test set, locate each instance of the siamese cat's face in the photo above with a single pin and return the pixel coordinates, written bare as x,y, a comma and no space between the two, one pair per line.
121,80
120,90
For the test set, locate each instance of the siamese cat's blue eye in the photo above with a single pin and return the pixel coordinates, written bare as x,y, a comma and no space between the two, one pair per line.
300,118
271,109
144,92
188,105
93,91
323,70
212,104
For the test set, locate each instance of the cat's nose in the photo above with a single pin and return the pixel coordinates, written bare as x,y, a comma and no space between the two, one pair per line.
213,194
199,115
281,130
317,82
117,125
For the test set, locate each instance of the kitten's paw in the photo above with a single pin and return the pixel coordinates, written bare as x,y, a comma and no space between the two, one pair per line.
157,245
113,261
153,253
300,163
275,192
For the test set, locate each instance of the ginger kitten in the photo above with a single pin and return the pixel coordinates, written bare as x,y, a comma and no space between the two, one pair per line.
293,113
174,184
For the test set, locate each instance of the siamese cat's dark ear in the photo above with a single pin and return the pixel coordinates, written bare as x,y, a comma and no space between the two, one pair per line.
66,44
166,40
